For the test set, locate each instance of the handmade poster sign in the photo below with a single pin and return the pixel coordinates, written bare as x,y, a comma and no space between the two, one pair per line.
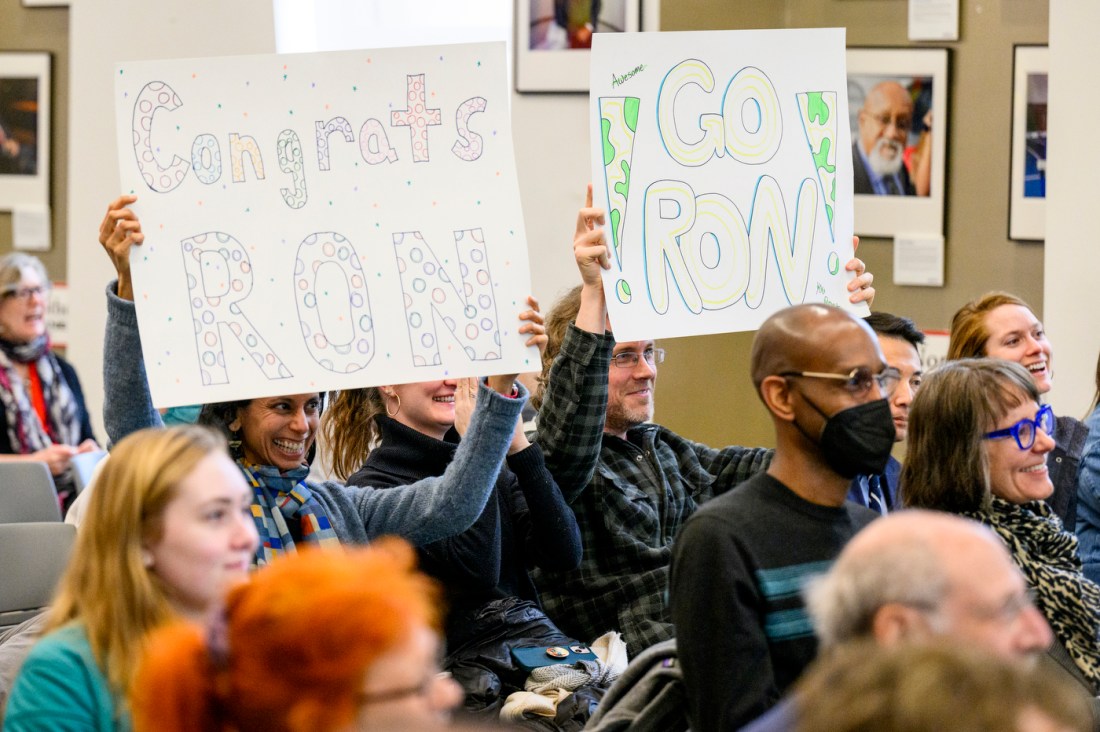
723,160
323,221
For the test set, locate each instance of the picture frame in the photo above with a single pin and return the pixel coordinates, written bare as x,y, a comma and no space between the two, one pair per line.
24,129
545,61
907,196
1027,189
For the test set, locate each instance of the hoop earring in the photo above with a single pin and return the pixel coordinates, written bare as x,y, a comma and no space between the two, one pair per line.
234,440
393,414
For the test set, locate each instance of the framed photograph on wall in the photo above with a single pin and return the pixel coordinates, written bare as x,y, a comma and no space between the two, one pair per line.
1028,190
897,104
553,38
24,129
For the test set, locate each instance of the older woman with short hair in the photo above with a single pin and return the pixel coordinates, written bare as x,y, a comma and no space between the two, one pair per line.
43,417
978,445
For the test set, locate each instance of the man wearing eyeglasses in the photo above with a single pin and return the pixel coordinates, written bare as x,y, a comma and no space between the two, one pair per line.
899,338
916,576
878,155
742,632
631,483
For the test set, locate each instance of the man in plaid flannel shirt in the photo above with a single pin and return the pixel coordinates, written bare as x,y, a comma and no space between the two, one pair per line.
632,484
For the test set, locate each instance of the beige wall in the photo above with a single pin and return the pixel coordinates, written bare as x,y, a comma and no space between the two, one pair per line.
705,391
44,29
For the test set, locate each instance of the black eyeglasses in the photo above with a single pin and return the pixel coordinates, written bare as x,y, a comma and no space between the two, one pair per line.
25,293
629,359
859,380
1026,429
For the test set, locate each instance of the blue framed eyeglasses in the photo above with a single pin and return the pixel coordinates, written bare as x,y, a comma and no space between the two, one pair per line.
1026,429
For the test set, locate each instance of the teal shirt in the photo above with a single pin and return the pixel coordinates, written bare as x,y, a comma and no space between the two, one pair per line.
62,689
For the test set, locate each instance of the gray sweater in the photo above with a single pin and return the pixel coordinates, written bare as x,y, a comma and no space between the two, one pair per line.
423,512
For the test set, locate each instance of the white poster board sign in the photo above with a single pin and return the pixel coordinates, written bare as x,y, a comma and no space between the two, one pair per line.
715,155
323,221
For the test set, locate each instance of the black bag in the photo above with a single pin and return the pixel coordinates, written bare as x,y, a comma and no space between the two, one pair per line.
484,666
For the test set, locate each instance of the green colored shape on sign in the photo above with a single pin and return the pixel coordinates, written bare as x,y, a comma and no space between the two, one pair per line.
834,263
829,213
623,186
816,107
608,148
630,110
821,157
622,290
616,217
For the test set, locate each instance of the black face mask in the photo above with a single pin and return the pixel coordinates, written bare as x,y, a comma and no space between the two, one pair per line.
857,440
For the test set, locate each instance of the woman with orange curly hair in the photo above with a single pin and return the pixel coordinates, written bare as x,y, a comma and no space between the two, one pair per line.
358,650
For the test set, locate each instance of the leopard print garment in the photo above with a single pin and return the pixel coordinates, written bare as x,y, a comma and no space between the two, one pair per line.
1048,557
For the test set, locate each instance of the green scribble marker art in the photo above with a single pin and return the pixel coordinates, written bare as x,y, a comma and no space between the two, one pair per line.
817,110
618,124
834,263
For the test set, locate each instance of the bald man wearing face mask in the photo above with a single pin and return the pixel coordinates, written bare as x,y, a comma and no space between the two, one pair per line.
738,565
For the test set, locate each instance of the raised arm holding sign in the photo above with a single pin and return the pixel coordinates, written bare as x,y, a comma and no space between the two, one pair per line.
323,220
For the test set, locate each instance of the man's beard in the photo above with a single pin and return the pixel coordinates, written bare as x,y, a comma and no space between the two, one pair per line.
881,165
620,418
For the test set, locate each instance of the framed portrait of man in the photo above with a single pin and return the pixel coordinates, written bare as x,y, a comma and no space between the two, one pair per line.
897,105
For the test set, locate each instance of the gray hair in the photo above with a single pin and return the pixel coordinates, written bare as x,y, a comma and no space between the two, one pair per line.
842,603
12,267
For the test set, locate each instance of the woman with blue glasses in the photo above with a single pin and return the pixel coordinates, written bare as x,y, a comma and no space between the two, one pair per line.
1001,325
978,446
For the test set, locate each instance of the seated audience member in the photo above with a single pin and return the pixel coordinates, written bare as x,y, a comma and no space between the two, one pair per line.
1088,492
978,446
318,641
898,337
738,565
166,535
402,433
914,577
43,418
271,439
630,482
932,688
1000,325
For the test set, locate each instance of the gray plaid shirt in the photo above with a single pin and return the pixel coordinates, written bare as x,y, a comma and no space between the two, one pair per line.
630,496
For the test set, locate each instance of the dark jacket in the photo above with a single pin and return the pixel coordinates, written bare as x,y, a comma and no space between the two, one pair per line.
525,523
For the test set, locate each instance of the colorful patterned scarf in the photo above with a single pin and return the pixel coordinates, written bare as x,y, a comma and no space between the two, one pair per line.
1048,557
26,433
293,498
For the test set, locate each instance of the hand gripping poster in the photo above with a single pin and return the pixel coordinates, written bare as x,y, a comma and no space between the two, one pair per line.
723,162
323,221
